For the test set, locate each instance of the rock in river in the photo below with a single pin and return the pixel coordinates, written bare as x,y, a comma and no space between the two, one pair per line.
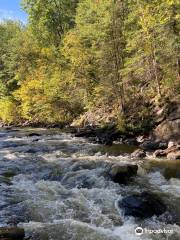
173,155
34,135
142,205
154,145
139,153
121,173
159,153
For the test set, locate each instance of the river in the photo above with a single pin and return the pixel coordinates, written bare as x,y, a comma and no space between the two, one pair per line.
53,185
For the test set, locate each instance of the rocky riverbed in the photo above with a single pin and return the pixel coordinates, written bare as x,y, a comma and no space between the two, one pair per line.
57,186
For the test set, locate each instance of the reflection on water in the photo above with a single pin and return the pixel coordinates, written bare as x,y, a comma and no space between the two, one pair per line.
116,149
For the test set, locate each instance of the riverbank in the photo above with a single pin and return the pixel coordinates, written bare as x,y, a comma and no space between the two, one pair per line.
144,145
162,139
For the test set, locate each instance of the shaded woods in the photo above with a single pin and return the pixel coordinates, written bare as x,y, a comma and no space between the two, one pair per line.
90,62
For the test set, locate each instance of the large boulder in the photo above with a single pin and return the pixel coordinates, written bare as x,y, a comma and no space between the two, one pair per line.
169,128
150,145
159,153
173,155
144,205
173,152
171,144
12,233
122,173
139,153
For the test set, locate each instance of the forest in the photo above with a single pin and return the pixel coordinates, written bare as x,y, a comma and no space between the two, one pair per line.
90,62
90,120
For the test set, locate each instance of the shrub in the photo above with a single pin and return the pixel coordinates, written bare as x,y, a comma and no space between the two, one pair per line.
8,110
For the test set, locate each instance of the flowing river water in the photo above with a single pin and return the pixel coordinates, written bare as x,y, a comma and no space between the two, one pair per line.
55,186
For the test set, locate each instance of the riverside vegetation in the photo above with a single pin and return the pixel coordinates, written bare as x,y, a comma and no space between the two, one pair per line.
90,62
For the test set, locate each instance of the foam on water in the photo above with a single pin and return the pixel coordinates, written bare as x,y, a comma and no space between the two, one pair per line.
59,189
172,186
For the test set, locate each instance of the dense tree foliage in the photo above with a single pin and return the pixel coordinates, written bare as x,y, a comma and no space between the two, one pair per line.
90,60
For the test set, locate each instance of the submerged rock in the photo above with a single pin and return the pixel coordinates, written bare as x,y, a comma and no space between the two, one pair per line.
34,135
5,180
35,140
142,205
117,221
80,179
12,233
121,173
139,153
85,164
